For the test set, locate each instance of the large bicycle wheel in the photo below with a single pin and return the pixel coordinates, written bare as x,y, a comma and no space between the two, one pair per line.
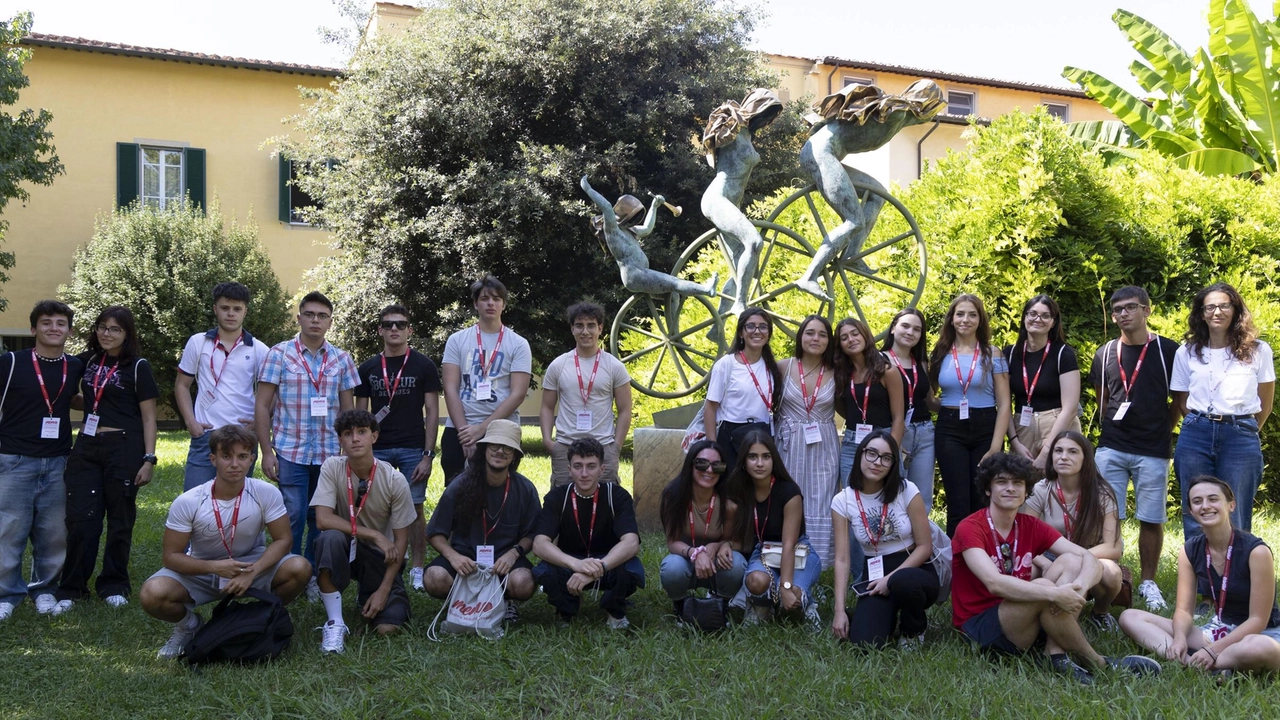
667,342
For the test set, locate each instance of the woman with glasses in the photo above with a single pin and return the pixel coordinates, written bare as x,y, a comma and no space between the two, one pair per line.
973,380
1044,375
908,351
884,514
745,386
698,517
1223,382
114,455
868,396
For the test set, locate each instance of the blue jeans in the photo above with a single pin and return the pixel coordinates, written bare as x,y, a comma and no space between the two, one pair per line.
199,469
803,579
1227,450
297,485
678,577
917,459
34,506
405,460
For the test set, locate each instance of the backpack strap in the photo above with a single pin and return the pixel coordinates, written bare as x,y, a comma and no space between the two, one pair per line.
13,361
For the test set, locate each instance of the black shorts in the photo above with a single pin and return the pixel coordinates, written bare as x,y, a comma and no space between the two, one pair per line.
985,631
443,562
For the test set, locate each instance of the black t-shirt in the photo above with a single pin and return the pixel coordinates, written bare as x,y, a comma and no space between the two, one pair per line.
919,404
878,412
1236,608
770,513
1061,359
122,390
614,516
508,522
402,427
23,409
1146,428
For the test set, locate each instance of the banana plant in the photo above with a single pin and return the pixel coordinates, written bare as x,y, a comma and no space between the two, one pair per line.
1216,111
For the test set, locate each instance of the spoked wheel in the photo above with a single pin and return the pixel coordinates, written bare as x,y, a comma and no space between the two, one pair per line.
667,342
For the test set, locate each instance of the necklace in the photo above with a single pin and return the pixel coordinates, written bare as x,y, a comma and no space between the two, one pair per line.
584,497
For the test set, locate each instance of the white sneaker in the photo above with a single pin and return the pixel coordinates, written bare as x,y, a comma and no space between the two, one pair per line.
6,610
812,617
313,592
116,601
1150,592
45,602
182,634
757,614
513,613
332,642
62,607
614,623
911,643
415,578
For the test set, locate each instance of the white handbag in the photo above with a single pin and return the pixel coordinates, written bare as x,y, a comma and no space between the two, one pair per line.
771,555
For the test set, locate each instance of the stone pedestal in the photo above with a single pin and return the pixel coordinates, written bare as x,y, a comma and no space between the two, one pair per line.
657,459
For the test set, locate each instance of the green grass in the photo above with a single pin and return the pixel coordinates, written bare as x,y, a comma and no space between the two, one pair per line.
100,661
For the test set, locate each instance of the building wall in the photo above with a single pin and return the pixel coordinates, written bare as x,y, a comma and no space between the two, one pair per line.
100,99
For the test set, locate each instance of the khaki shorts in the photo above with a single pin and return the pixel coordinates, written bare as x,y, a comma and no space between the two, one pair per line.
1036,435
560,464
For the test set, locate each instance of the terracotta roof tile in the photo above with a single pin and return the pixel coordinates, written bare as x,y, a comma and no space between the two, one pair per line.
940,75
111,48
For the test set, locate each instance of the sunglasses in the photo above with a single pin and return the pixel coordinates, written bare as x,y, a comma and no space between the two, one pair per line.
393,324
1006,552
705,465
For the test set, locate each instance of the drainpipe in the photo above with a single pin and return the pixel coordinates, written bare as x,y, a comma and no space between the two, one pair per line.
835,66
920,149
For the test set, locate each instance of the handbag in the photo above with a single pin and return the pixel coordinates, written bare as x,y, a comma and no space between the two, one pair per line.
707,614
476,605
941,561
1124,598
771,555
252,628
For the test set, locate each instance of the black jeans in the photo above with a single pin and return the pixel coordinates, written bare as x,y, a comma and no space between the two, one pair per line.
333,548
729,434
911,592
452,459
99,479
617,585
959,445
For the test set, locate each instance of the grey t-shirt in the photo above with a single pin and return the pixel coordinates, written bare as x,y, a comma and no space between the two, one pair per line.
192,512
512,356
562,377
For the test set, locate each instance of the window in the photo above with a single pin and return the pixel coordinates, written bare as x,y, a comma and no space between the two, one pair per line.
852,79
293,200
961,103
158,175
1061,111
14,343
161,176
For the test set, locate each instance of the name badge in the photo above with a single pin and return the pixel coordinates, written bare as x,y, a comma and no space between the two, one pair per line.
484,555
584,421
1024,420
383,413
204,402
484,390
964,408
811,433
223,582
91,424
351,557
1120,411
320,406
875,568
861,431
51,426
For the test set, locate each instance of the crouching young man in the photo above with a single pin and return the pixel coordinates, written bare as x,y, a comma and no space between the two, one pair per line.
997,605
587,536
223,521
486,518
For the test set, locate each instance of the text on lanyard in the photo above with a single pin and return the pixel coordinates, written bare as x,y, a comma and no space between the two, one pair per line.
866,397
768,508
1219,599
1125,381
768,399
485,366
912,381
706,522
235,521
387,384
1030,387
591,533
98,389
40,378
804,389
484,513
884,514
317,383
352,510
1013,560
1068,518
226,358
973,365
586,393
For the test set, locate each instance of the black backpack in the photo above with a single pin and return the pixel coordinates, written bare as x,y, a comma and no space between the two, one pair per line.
242,631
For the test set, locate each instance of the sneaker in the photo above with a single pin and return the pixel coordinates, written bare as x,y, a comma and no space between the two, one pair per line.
1150,592
757,614
45,603
116,601
182,634
617,623
1062,663
1135,664
313,591
415,579
62,607
513,613
1105,622
332,641
6,610
563,622
811,616
911,643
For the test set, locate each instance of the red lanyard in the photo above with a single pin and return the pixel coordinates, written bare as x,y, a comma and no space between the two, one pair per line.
1219,600
217,377
324,363
97,376
235,519
484,366
1068,519
40,378
595,501
484,514
1013,566
768,399
866,396
352,510
804,390
911,381
1031,388
884,513
973,365
768,508
706,523
1125,382
387,385
586,394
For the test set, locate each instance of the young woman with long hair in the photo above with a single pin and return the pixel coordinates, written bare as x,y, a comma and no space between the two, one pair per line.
868,395
745,385
1044,376
908,351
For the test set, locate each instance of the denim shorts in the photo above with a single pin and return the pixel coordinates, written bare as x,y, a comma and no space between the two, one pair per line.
1150,482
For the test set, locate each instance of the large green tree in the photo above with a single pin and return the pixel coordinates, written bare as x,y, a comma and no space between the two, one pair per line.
459,144
27,154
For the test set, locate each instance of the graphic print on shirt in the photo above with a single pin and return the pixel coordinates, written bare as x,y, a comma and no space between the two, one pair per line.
378,387
475,371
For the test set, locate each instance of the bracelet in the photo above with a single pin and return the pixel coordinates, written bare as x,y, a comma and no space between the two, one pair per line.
1212,654
695,552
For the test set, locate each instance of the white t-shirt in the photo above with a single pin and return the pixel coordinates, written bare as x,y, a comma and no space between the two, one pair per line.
897,524
731,386
192,512
229,398
562,377
1221,384
513,356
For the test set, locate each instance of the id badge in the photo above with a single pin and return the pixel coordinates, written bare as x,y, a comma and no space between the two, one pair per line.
383,413
320,406
223,582
964,408
51,426
875,568
1120,411
484,390
812,433
484,555
1024,420
861,431
204,403
584,421
351,556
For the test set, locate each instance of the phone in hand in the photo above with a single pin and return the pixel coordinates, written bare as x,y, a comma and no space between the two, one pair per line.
862,589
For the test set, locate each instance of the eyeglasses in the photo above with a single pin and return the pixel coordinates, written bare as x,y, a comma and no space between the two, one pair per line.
877,458
316,315
501,449
393,324
1211,309
109,329
1006,553
756,328
704,465
1122,310
1043,317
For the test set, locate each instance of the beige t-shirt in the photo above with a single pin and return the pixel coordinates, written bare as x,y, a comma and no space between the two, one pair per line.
389,507
562,377
1044,501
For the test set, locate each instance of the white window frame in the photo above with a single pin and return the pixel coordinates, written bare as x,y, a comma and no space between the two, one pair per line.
847,80
973,95
1066,108
161,199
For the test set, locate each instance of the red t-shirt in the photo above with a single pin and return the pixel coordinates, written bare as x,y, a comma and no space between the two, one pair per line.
969,596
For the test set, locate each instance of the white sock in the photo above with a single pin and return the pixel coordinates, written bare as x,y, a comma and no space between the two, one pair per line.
189,620
333,606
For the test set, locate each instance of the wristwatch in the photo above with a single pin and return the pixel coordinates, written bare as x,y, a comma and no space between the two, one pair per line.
150,458
429,453
786,586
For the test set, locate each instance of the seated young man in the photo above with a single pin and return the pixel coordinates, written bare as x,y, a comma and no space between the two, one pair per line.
363,511
486,518
222,520
997,605
587,536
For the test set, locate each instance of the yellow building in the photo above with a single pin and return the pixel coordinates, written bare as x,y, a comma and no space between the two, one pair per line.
133,122
903,158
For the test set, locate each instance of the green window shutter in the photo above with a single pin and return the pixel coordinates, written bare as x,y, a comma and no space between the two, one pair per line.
193,168
285,205
126,173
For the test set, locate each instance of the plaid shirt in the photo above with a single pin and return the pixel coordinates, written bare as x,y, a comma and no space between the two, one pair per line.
298,437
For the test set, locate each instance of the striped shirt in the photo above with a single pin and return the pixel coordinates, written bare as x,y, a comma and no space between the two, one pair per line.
298,437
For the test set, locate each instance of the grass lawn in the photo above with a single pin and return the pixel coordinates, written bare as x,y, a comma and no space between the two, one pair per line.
98,661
